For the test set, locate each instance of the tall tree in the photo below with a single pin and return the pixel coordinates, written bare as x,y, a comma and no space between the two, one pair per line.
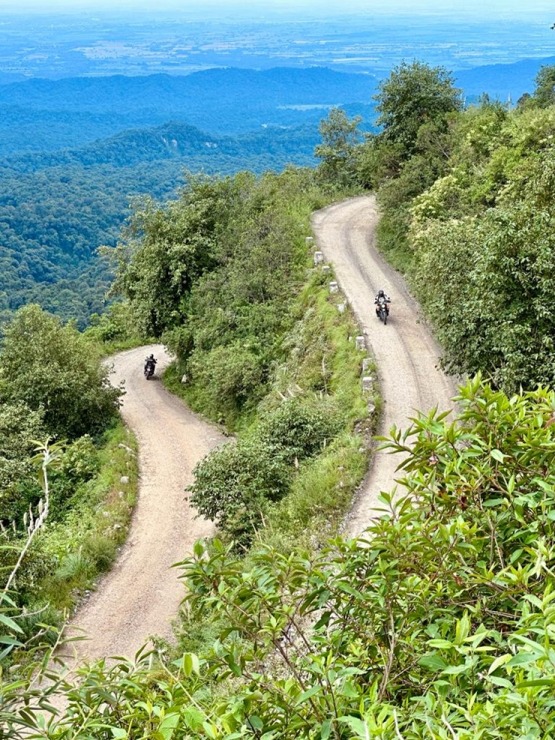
544,94
340,140
413,95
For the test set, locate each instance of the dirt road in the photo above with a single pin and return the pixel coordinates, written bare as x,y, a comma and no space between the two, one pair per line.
142,593
405,351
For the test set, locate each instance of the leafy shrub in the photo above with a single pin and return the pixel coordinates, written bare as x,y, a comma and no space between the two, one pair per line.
229,376
301,427
101,550
50,367
20,430
234,483
79,461
77,464
179,340
117,324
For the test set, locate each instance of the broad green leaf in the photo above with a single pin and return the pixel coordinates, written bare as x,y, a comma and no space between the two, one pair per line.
434,662
10,623
501,660
190,664
524,658
358,726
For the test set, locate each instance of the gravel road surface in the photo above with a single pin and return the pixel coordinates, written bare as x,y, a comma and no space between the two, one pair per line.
406,353
141,595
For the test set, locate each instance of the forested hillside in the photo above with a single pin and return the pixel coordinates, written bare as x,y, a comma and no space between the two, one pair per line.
220,101
56,209
74,152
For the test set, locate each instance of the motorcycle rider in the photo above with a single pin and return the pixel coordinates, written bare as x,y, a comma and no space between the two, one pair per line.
150,361
382,297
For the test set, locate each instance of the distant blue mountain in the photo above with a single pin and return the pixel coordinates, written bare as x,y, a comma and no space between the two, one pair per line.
46,115
502,80
210,90
287,85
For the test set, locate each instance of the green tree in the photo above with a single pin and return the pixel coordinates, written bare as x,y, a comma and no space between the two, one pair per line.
484,248
50,367
413,95
167,248
544,93
338,150
234,484
20,431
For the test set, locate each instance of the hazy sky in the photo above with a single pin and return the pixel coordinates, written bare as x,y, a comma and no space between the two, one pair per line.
320,7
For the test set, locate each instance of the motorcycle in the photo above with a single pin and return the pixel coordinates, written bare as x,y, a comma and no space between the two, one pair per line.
149,370
382,310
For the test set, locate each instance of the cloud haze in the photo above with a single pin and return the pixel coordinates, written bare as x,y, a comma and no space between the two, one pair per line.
319,7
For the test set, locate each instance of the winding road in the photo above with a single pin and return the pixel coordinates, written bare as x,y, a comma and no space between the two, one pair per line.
141,595
406,353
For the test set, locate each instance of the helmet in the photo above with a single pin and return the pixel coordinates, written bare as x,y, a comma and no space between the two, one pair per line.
151,357
381,293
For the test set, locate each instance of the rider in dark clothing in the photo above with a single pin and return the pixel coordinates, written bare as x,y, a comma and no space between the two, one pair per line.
382,298
150,361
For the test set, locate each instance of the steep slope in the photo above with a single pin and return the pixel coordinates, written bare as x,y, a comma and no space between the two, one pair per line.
142,593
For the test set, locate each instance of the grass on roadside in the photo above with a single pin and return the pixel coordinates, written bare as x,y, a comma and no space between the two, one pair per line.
71,553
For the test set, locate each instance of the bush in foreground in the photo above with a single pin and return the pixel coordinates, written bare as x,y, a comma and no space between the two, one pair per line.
438,626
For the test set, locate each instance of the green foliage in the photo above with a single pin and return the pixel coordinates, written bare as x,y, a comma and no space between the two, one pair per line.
227,328
319,496
217,260
227,378
20,428
544,94
233,484
247,343
50,367
466,212
337,152
116,328
486,281
76,464
168,248
438,624
91,510
412,96
301,427
419,109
